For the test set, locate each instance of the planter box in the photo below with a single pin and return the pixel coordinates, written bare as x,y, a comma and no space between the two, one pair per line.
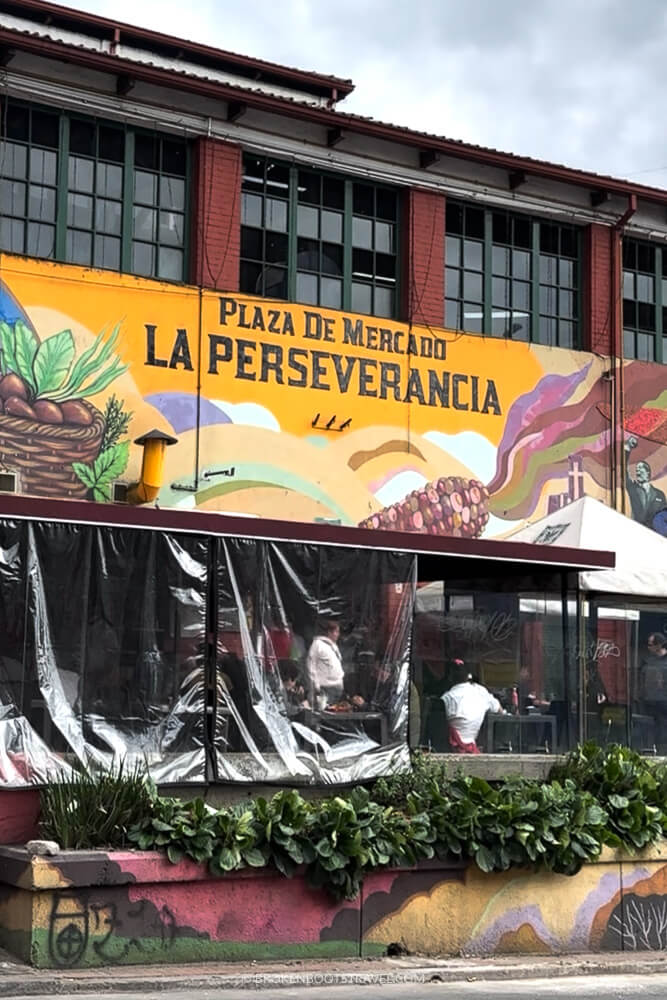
81,909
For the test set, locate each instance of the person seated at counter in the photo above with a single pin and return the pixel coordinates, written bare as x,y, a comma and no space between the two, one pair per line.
293,686
466,705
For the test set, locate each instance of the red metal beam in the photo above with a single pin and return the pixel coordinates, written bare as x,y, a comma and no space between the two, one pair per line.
206,523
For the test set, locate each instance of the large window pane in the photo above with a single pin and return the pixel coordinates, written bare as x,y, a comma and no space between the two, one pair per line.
321,218
12,235
12,194
170,264
41,240
515,641
79,247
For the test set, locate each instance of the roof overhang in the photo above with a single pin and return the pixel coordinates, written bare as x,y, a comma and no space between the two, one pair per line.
447,554
108,62
116,32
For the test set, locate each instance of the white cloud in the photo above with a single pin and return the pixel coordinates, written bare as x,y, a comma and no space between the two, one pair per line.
399,486
248,414
470,448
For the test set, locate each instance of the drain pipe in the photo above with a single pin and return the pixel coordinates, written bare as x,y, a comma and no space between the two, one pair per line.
618,359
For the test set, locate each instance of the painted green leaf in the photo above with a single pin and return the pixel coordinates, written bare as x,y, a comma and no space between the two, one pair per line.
85,474
91,365
111,463
102,494
52,362
26,345
7,345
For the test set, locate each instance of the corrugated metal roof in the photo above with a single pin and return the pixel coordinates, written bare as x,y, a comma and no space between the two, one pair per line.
369,125
55,14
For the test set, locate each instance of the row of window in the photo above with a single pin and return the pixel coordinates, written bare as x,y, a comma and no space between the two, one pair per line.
105,195
92,193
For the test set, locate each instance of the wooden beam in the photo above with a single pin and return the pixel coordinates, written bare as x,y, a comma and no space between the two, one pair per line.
236,110
124,84
599,197
516,179
427,157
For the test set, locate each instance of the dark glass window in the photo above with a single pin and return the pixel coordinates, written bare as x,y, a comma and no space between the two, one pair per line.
318,238
644,292
92,193
512,276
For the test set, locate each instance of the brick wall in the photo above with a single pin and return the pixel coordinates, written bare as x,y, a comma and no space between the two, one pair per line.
216,222
598,315
424,258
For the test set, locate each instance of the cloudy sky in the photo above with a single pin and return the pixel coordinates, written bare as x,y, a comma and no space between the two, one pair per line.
578,82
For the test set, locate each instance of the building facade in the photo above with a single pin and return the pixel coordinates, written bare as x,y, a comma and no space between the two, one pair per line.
339,322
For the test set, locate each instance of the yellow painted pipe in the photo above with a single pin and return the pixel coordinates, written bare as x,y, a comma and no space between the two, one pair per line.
152,468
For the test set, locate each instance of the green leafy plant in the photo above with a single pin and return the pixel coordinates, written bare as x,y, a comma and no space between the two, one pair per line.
631,789
283,826
182,829
108,466
598,796
424,770
48,368
88,811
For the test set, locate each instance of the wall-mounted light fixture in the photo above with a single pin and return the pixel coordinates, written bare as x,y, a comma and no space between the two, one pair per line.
329,425
154,444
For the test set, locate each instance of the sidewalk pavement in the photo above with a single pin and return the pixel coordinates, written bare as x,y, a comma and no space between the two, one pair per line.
19,980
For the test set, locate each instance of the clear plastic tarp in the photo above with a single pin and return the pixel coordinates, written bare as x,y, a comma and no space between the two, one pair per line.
201,659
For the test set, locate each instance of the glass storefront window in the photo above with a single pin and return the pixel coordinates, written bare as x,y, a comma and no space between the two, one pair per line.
625,655
494,667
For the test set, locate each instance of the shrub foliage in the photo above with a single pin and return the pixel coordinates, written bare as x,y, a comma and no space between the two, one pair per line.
596,797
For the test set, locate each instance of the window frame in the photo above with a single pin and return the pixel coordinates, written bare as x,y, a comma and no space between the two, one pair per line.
292,235
62,189
535,281
658,273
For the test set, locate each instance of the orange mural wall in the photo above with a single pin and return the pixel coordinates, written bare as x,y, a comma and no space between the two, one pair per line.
296,412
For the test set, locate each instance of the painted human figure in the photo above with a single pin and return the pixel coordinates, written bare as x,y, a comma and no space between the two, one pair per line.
646,500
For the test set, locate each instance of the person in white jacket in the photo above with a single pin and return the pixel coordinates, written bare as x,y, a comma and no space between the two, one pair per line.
466,704
324,666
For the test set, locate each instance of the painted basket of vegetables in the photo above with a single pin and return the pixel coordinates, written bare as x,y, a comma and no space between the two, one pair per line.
48,428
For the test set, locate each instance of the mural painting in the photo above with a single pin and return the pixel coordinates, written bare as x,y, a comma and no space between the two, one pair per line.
128,908
98,908
620,906
307,414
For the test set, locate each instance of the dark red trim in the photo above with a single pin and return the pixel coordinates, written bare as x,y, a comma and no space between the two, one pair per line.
153,518
121,32
172,79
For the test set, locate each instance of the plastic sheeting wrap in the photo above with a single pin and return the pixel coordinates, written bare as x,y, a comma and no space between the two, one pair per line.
277,718
200,658
104,659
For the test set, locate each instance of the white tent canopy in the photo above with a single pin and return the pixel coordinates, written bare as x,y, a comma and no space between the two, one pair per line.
641,554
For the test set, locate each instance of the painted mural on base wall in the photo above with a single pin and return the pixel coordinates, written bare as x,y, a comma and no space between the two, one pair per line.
300,413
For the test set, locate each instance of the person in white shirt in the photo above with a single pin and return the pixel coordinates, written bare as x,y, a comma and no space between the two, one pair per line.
466,704
325,667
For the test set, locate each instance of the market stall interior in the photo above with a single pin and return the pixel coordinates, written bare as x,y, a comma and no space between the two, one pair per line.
230,650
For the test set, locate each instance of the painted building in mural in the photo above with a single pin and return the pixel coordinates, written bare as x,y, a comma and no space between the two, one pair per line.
337,322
